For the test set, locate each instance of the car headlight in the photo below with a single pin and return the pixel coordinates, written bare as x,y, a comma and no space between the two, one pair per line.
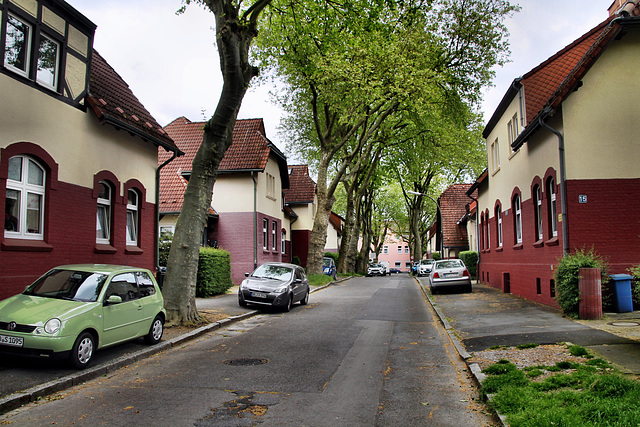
243,285
52,326
280,290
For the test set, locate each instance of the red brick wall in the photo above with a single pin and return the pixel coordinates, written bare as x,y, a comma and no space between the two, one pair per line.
607,222
70,237
300,242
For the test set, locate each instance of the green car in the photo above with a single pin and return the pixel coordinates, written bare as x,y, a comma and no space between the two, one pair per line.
73,310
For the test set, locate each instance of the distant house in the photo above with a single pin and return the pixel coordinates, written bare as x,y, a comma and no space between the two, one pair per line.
396,252
78,151
450,235
247,215
563,149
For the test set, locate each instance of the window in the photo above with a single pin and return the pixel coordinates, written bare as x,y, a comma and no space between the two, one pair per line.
499,225
265,236
274,244
385,250
406,249
103,220
123,285
517,218
283,242
17,53
271,186
553,218
24,200
398,264
132,217
407,264
495,155
399,249
537,204
513,130
145,284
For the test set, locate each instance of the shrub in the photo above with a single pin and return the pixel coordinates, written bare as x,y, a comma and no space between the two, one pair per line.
214,272
435,256
470,259
635,285
164,247
332,255
566,276
296,260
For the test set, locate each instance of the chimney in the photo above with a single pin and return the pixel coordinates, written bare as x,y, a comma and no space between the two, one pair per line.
625,8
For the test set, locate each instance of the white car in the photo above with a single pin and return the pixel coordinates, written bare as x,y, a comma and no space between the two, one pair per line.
376,270
449,273
424,268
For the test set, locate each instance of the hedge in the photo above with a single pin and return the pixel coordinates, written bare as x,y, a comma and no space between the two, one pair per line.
470,259
214,272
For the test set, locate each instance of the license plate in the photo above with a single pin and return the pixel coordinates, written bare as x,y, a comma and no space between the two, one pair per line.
11,341
258,295
450,274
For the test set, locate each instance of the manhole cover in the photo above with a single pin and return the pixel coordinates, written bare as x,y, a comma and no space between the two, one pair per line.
246,362
625,324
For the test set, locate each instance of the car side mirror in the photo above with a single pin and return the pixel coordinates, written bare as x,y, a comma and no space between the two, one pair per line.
246,274
114,299
298,280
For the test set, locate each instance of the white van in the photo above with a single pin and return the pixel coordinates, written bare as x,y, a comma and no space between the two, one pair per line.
385,264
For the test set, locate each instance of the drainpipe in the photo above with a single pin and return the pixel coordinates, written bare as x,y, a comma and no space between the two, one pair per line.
477,221
255,220
563,183
157,225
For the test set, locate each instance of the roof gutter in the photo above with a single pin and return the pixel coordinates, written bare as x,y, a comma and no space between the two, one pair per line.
106,118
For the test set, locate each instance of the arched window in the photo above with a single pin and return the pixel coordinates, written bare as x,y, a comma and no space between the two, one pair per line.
537,206
103,220
517,218
551,206
133,207
24,200
499,226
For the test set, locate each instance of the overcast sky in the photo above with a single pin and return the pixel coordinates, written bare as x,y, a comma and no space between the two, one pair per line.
171,63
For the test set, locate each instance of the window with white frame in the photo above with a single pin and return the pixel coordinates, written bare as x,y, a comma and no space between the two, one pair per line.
517,218
385,250
495,155
537,204
406,249
133,207
274,242
283,242
499,226
24,200
265,233
398,264
20,37
399,249
103,217
553,212
513,129
271,186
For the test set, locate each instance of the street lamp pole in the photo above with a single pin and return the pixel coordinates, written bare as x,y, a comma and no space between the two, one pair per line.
415,193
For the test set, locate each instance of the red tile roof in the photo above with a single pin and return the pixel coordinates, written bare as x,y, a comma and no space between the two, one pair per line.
249,150
112,101
453,206
302,189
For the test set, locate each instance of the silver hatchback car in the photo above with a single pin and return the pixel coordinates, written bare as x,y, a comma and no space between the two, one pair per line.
449,273
275,284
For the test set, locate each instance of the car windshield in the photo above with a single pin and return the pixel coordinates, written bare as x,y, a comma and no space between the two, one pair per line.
68,284
277,272
326,262
374,266
454,263
426,261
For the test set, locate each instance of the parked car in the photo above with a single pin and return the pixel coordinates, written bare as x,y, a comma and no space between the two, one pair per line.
449,273
74,310
424,267
275,284
376,269
394,270
385,265
329,267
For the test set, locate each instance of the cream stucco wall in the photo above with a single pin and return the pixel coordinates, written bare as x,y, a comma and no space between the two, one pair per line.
602,128
75,139
306,215
270,204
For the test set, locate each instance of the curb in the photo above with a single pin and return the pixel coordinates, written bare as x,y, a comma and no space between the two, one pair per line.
474,368
16,400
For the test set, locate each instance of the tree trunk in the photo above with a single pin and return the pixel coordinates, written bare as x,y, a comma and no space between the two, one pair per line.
233,40
318,238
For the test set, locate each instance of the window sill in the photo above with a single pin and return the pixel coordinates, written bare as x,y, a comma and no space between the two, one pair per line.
25,245
133,250
552,242
102,248
538,244
499,249
486,251
518,246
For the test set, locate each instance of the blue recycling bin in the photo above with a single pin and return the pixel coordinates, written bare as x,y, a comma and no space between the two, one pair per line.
622,292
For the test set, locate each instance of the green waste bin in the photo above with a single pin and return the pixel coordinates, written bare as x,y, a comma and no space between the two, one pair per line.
622,292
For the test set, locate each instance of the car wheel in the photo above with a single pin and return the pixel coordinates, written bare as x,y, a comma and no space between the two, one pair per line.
433,290
305,300
242,302
82,350
470,289
155,332
287,307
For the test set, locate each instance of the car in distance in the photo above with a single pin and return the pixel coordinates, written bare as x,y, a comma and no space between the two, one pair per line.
376,269
394,270
385,265
449,273
424,267
74,310
329,267
275,284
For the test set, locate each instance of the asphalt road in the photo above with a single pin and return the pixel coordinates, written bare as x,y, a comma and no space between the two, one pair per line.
368,351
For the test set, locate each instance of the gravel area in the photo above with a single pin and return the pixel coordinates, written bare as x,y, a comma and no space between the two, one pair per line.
547,355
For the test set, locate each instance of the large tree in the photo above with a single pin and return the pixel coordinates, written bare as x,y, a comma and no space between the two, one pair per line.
236,26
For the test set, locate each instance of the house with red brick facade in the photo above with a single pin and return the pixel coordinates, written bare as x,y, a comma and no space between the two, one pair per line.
78,151
563,149
247,216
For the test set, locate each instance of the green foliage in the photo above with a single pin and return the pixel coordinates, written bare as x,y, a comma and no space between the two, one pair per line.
470,259
332,255
635,284
214,272
296,260
435,256
319,279
567,277
164,247
578,351
526,346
